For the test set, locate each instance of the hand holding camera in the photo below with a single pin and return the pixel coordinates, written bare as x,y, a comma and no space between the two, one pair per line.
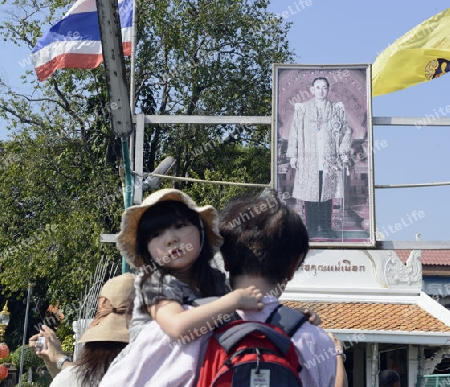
48,348
40,344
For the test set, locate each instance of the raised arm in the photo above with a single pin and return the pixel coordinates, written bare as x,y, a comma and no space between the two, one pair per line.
52,353
341,374
177,322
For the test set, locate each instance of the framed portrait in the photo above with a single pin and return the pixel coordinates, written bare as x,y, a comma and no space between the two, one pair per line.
322,162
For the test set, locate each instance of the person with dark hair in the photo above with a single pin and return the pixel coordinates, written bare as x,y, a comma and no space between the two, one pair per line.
104,339
389,378
319,146
265,242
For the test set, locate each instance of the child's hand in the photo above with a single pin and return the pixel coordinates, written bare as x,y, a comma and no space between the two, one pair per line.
249,298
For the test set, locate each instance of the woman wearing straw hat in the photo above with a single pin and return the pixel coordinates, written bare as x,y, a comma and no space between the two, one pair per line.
106,336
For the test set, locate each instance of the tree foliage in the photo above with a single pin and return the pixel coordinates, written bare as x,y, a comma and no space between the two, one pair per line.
60,178
29,358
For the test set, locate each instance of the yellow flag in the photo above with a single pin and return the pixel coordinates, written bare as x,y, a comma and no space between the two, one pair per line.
420,55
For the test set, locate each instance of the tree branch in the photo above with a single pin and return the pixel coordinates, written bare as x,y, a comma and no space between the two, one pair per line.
66,106
21,118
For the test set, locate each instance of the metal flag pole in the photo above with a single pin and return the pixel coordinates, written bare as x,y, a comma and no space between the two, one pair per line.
133,83
118,92
133,60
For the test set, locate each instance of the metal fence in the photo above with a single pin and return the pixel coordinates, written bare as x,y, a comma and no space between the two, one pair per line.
442,380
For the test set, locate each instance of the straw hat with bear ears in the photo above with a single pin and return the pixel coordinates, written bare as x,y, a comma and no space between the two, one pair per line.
126,239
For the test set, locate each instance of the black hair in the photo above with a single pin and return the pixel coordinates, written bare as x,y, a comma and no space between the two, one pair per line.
388,378
321,79
161,216
262,236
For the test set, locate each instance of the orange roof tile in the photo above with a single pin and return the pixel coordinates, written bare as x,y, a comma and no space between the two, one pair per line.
429,257
373,316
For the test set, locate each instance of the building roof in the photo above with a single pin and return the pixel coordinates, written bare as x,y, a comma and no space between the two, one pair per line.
373,316
372,295
416,320
429,257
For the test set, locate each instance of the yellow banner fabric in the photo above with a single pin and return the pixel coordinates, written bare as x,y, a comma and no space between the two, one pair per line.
420,55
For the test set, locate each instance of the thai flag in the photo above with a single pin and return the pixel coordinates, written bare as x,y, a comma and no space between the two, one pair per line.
75,41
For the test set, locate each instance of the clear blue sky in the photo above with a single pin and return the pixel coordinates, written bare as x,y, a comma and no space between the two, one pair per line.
355,31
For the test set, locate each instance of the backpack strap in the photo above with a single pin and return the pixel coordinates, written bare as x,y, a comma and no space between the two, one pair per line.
288,319
236,333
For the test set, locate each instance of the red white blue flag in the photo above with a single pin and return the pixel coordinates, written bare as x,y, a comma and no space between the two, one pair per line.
74,42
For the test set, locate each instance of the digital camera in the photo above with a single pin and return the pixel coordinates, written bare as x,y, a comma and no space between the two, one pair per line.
40,344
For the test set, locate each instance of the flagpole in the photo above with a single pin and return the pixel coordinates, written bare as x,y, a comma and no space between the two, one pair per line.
132,59
121,117
132,81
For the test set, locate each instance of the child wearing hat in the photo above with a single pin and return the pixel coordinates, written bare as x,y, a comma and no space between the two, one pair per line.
171,242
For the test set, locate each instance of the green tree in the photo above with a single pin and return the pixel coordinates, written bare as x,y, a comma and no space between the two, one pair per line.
56,206
29,358
215,59
60,178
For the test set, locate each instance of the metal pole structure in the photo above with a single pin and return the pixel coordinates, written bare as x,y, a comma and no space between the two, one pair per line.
121,119
133,60
132,144
128,195
25,328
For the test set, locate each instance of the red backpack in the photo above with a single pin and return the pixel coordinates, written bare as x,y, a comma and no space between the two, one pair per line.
254,354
